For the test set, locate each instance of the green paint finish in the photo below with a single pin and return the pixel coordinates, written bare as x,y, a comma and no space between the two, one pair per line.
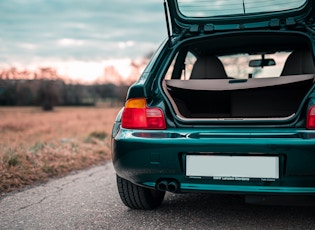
133,155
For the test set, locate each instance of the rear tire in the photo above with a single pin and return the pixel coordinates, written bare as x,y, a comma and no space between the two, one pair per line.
137,197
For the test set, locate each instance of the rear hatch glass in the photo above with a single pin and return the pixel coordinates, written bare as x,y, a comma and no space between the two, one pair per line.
208,8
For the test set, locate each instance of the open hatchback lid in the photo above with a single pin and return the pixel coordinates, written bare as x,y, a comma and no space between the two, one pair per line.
207,16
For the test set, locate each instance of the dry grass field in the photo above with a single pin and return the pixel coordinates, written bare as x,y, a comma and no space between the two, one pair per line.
37,145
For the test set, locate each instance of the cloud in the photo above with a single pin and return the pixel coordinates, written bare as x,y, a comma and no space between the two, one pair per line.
70,42
123,45
28,46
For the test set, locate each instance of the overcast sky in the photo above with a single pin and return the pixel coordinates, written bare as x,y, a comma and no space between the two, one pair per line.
38,30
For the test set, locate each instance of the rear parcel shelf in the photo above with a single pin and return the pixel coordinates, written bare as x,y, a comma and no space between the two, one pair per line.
276,97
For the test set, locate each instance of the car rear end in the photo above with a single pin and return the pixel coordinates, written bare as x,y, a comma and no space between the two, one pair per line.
246,130
154,148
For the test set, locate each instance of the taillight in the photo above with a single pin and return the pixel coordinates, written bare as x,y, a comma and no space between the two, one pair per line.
310,123
137,115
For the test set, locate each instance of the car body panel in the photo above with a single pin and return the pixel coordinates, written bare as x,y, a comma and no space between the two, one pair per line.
147,156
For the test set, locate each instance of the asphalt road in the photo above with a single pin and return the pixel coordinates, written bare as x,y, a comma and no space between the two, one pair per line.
89,200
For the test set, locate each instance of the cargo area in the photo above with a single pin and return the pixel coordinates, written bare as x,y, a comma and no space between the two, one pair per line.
278,97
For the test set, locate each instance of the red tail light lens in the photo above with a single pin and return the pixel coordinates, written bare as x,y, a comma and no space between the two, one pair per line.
310,123
137,115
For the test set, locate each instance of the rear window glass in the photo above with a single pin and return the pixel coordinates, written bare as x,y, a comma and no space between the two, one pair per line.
235,66
208,8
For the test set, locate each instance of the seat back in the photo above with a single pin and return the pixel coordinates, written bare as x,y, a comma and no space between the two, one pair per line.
299,62
208,67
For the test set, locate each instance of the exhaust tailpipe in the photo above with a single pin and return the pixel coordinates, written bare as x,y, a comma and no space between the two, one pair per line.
162,186
168,185
172,186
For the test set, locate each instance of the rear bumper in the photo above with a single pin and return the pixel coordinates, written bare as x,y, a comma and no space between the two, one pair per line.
148,157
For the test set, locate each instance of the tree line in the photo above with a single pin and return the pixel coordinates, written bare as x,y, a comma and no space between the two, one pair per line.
55,92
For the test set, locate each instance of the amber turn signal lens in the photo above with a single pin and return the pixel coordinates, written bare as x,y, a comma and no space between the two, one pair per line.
137,115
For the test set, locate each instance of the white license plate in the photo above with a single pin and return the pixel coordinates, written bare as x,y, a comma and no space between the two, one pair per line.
232,166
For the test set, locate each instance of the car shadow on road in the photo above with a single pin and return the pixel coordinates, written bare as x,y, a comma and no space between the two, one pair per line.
226,211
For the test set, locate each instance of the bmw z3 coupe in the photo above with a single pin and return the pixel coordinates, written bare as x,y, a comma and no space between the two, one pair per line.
225,105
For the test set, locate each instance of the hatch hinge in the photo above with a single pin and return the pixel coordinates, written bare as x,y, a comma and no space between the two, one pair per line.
275,23
208,28
194,29
290,22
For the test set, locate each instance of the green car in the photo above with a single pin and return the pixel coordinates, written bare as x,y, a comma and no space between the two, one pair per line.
226,104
